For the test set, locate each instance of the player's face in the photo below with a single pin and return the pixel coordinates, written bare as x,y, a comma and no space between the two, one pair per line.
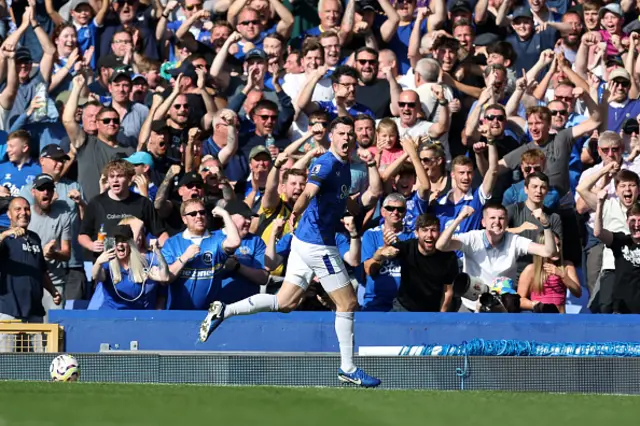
242,224
627,192
342,138
393,212
427,237
536,190
462,175
195,218
494,221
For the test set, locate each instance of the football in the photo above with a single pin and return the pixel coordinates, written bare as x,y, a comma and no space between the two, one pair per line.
65,368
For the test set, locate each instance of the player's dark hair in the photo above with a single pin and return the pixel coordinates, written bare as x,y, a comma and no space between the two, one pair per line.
346,71
347,121
536,175
426,220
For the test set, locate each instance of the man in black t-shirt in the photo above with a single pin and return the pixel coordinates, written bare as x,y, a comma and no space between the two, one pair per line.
23,272
374,93
426,273
114,204
626,252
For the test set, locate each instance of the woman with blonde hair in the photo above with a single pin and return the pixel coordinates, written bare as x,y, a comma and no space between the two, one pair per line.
546,280
434,162
130,279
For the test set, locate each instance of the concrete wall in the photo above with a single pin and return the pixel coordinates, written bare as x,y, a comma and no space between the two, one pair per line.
314,332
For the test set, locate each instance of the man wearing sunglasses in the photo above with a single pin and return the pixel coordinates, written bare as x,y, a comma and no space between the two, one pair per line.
195,256
621,106
190,186
381,267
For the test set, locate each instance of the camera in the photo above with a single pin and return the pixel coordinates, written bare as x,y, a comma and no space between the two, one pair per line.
468,287
491,303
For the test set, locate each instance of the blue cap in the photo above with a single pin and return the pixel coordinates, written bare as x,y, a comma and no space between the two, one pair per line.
139,157
137,76
522,12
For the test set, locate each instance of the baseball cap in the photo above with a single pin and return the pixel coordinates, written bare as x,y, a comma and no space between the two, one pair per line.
122,231
461,6
140,158
76,3
522,12
54,152
191,178
43,181
486,39
186,68
23,55
120,72
159,126
611,7
137,76
63,97
239,207
259,149
109,61
256,53
365,5
619,73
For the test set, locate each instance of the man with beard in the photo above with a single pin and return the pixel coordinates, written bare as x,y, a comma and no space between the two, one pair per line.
493,252
520,215
189,82
157,144
381,265
314,252
626,254
126,16
614,210
344,82
190,186
24,272
243,272
176,109
53,221
195,256
427,274
570,40
375,94
117,202
365,129
132,114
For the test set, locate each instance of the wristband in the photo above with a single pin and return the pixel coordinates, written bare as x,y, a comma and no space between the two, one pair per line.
547,226
180,260
165,16
372,164
443,102
35,26
277,166
354,236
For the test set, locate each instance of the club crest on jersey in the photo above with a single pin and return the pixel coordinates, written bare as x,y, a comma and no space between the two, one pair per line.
207,258
316,169
244,250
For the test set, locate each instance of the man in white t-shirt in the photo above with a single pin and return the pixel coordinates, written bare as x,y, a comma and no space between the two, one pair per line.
492,252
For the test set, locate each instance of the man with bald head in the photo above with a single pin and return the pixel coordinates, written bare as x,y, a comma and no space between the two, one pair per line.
24,272
410,125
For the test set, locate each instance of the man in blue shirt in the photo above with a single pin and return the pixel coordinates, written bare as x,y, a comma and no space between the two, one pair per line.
383,272
195,255
344,82
244,271
314,252
527,42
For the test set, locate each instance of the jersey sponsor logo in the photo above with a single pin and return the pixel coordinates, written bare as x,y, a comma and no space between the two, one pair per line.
631,256
198,273
207,257
111,216
31,248
344,192
391,268
316,169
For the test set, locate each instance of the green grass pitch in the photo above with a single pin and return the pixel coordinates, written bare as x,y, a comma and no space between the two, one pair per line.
89,404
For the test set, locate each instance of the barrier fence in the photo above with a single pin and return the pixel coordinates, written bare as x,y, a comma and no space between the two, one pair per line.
16,336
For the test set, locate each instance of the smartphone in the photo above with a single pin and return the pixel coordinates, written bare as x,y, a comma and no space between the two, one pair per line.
109,243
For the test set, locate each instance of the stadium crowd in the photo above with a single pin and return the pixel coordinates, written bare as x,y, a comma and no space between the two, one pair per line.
153,152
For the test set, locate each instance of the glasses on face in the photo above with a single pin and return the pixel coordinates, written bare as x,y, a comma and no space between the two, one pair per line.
196,213
252,22
427,160
395,209
611,150
322,123
367,61
181,106
531,169
194,6
129,2
267,117
623,83
193,186
108,120
492,117
561,112
407,104
46,189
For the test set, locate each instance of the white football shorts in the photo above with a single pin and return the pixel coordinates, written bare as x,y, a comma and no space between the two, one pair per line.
325,262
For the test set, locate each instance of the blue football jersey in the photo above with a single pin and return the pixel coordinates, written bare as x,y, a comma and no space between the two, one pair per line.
319,221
